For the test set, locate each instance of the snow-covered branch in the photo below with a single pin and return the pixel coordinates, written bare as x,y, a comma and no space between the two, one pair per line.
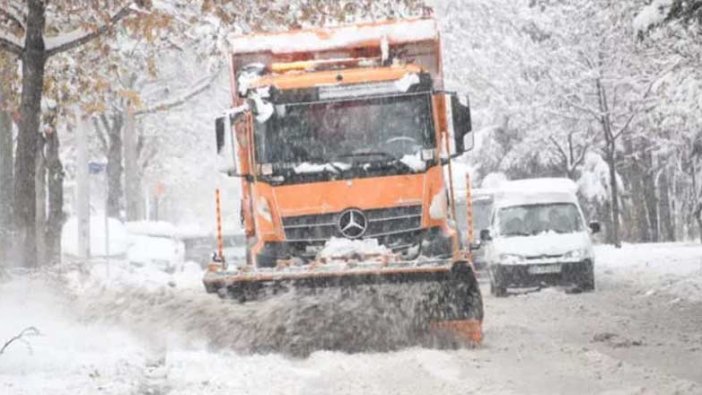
30,331
66,42
10,44
180,100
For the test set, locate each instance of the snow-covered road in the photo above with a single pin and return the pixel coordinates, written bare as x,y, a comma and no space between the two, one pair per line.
640,332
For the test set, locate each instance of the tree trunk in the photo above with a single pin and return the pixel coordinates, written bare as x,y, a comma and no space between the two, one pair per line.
666,220
6,156
131,170
649,196
114,167
8,69
33,62
614,193
54,222
40,188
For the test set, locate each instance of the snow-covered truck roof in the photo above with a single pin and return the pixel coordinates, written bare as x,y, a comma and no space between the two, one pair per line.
536,191
326,39
372,45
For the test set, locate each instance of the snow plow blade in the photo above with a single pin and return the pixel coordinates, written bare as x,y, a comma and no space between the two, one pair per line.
448,298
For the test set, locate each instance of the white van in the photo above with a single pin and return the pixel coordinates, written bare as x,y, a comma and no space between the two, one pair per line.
537,236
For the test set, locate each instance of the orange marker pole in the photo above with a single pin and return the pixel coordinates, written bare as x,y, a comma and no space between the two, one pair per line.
220,240
469,215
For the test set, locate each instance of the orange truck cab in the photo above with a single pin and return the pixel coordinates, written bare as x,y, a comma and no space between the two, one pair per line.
344,133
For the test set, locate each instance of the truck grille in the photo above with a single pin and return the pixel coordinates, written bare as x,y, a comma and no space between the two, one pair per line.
383,224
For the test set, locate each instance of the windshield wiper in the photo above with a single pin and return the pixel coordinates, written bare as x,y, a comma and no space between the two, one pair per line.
321,161
365,154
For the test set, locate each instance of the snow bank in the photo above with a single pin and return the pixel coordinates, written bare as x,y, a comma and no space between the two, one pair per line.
69,356
665,268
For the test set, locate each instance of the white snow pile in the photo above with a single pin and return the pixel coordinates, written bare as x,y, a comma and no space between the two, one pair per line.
308,168
406,82
118,238
665,268
249,74
341,37
339,248
152,228
414,162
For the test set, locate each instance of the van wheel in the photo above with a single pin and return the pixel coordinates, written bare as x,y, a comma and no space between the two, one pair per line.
498,290
587,283
497,287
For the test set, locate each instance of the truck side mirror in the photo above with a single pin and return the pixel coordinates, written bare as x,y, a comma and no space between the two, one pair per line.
226,159
460,124
485,235
595,227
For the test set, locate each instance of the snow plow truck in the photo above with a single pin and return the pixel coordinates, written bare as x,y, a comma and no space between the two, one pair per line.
341,139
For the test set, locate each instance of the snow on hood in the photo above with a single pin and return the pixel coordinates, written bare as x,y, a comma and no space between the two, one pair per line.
549,243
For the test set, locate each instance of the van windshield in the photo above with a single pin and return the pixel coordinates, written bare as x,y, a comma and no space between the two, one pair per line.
533,219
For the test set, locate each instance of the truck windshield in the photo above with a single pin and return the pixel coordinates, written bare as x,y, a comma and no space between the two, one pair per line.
534,219
346,132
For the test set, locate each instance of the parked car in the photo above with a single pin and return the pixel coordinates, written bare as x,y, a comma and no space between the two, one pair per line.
537,236
155,244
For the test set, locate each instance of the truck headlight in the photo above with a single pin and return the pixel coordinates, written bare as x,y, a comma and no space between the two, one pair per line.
263,209
437,209
511,259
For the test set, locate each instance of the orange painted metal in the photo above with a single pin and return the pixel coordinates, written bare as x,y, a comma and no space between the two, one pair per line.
469,216
333,77
469,331
260,276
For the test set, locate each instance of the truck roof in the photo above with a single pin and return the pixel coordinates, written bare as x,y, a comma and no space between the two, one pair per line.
292,58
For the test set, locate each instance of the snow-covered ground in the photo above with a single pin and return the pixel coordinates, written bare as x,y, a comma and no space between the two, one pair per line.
674,269
137,330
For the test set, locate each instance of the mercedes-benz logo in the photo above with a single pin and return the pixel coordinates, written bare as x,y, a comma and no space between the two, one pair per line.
352,223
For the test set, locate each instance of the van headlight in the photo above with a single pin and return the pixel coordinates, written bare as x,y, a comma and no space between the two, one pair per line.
512,259
578,254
